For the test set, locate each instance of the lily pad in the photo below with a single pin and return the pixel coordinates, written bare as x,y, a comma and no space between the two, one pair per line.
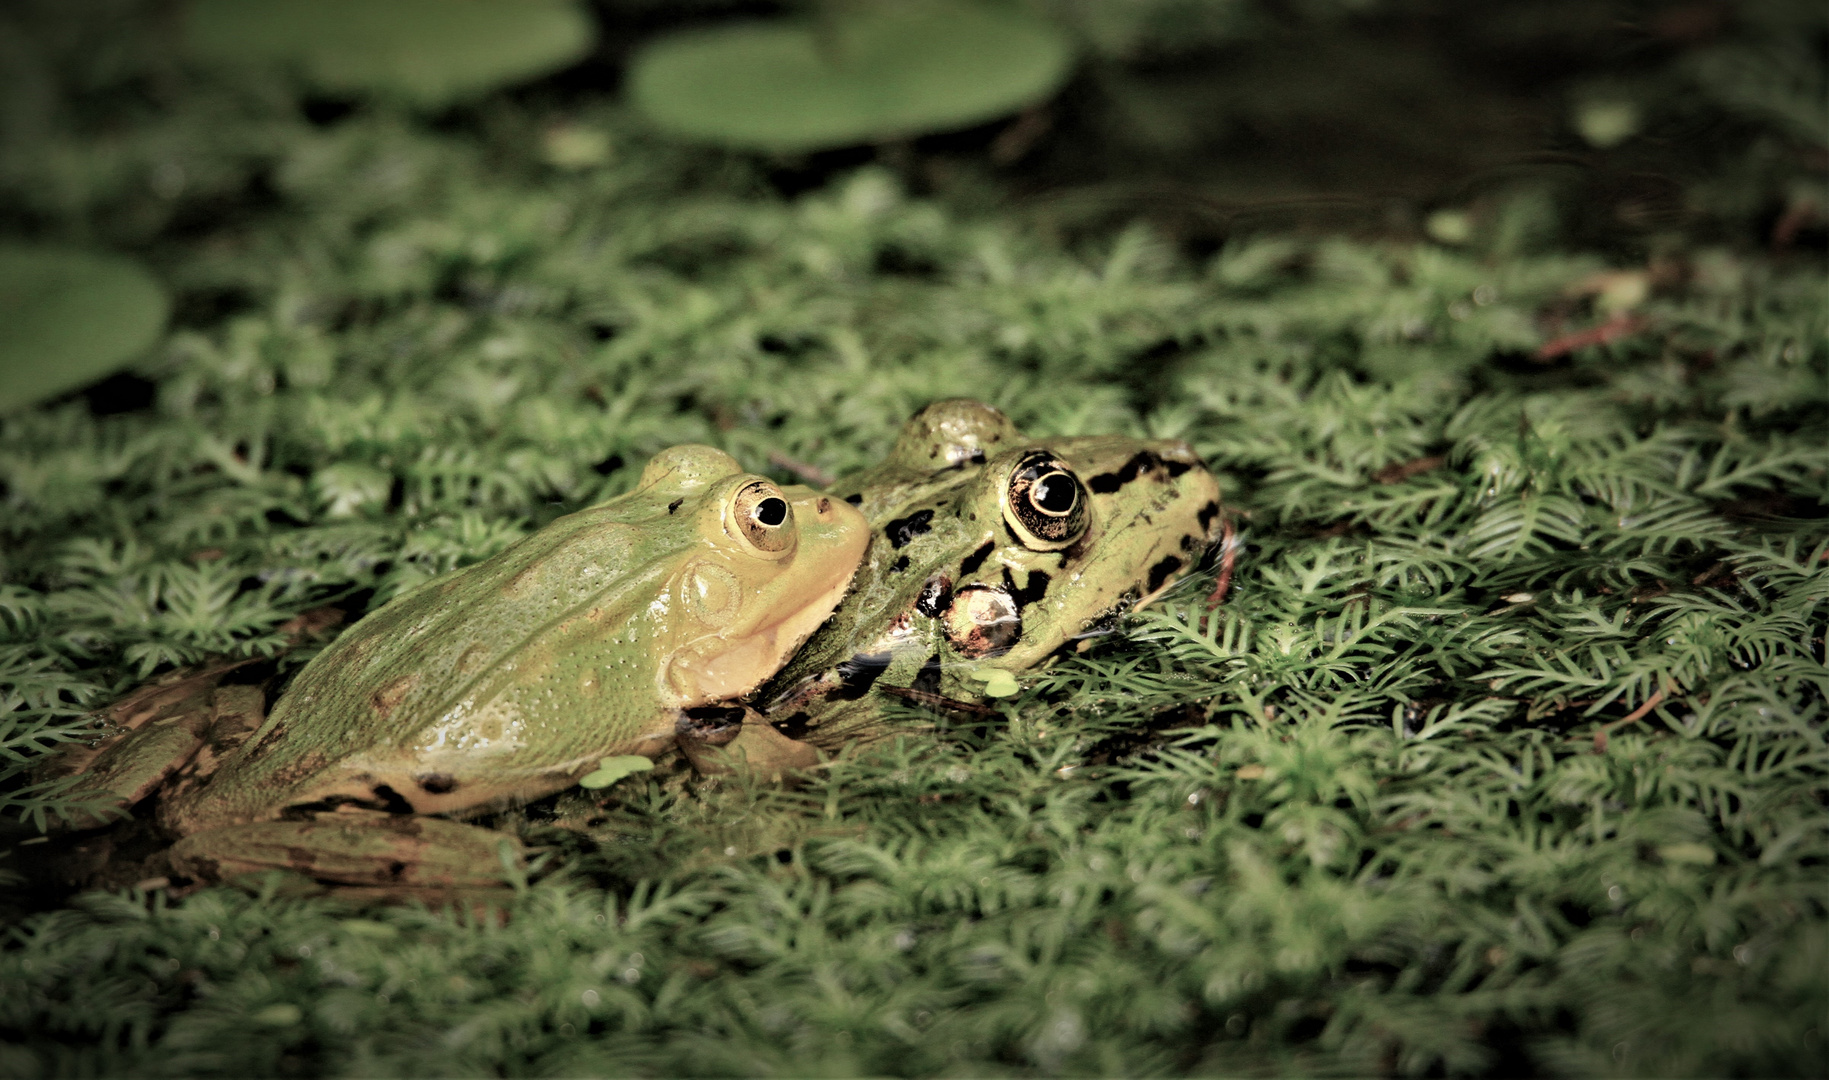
858,74
69,317
429,53
612,769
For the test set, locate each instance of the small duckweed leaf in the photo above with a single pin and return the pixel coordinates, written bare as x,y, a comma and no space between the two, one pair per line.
610,770
998,683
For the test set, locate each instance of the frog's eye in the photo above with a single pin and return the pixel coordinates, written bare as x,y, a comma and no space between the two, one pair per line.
1044,504
762,516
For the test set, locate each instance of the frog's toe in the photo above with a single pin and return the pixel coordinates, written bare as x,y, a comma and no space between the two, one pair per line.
708,725
361,847
753,743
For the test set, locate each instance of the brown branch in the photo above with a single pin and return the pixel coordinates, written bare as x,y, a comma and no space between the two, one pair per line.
1600,736
812,474
1397,472
1618,327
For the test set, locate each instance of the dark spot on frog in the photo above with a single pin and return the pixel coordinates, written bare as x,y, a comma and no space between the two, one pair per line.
674,505
385,799
391,800
1143,461
927,680
306,765
395,870
710,725
976,559
855,498
902,530
795,726
401,825
1032,590
934,595
436,783
1206,515
1160,572
858,673
273,735
899,565
389,697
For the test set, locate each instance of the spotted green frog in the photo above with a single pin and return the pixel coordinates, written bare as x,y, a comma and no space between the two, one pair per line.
990,552
614,631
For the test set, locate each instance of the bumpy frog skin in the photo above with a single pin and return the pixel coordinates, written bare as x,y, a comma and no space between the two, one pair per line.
990,550
506,681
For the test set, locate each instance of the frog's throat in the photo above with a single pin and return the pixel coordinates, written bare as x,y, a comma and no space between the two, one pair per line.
721,668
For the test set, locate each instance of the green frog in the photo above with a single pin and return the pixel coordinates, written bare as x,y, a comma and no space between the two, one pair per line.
623,629
990,552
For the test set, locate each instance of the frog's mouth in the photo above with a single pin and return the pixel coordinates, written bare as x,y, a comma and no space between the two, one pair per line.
719,667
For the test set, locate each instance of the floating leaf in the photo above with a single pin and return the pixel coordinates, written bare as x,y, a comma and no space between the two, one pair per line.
867,73
69,317
612,769
428,53
998,682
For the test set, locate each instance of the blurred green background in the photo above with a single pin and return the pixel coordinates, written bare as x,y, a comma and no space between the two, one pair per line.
136,127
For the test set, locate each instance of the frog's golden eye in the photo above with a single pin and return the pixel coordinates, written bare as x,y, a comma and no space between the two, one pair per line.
762,516
1044,504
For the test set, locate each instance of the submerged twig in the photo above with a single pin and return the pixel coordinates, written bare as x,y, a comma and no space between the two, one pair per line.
938,701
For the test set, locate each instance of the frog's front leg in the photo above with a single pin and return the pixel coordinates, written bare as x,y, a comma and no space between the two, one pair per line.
356,847
719,739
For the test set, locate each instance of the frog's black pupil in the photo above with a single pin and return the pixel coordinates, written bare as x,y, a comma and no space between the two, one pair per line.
771,512
1054,493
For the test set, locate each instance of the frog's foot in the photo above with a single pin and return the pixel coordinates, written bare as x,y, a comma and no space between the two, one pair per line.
236,712
148,735
724,739
356,847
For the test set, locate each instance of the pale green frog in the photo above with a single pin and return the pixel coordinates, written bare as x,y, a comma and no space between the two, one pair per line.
613,631
990,552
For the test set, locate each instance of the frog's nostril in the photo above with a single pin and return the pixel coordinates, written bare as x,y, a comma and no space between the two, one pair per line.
824,507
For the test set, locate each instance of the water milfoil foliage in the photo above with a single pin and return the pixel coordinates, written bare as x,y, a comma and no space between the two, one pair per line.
1501,749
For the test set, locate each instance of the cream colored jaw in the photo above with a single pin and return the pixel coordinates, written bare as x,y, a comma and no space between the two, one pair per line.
737,668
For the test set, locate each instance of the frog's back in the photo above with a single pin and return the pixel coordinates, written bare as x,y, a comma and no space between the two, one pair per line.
423,686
